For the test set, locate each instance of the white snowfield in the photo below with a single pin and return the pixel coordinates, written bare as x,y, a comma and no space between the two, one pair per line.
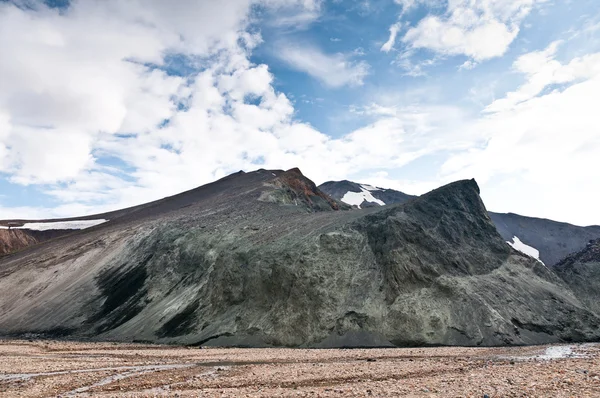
45,226
356,198
525,249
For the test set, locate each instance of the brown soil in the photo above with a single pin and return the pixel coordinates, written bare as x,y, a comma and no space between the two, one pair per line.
49,369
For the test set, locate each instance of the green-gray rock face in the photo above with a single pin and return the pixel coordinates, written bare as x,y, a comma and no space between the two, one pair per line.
266,259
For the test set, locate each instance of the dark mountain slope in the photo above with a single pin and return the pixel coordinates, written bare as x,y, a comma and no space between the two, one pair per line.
306,192
554,240
581,271
263,258
337,190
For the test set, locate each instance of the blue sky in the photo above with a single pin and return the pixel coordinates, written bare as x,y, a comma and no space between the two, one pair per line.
113,103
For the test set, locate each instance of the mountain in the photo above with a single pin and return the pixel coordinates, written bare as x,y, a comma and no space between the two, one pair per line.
554,240
547,240
581,271
267,259
363,195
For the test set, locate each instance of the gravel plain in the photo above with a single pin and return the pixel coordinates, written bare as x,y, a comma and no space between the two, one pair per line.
80,369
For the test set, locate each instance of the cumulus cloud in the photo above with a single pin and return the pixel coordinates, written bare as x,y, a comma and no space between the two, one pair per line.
90,110
479,29
334,70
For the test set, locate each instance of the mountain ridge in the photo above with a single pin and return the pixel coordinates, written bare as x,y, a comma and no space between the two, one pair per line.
220,265
554,240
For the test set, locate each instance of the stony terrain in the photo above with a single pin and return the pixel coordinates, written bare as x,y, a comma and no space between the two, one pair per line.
266,259
554,240
66,369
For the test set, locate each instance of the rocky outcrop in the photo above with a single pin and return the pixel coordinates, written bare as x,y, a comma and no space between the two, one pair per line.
14,239
219,265
292,187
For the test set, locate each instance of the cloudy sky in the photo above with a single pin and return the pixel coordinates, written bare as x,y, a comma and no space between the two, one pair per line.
105,104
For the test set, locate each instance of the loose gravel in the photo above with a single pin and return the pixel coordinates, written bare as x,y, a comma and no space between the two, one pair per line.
70,369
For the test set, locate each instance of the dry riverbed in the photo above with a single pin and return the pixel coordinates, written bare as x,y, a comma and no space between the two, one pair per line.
68,369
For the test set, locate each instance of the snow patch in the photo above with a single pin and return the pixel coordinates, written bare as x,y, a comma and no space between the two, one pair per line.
45,226
525,249
356,198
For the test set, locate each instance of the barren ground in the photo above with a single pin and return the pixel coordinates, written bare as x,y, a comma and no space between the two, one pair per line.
51,368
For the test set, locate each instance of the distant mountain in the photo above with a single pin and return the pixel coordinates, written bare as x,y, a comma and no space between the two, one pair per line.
363,195
554,240
581,271
266,258
546,240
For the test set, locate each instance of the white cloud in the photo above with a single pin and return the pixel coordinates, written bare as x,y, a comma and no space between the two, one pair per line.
408,5
297,14
85,107
334,70
539,151
479,29
542,70
467,65
389,44
81,73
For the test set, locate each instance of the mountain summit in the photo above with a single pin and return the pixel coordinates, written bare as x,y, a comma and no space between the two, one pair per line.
268,259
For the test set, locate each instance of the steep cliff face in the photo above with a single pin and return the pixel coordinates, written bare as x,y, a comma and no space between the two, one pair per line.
224,266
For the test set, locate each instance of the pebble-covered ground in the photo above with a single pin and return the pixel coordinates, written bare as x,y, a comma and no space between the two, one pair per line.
68,369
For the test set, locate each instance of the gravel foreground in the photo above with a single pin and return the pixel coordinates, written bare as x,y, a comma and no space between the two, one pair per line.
69,369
